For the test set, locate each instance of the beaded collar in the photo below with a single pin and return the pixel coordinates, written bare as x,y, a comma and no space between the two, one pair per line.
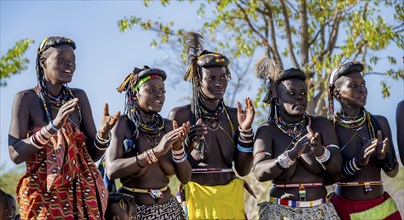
55,102
294,130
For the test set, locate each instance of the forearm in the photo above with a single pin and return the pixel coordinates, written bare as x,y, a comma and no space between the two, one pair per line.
183,171
22,150
267,170
334,162
243,163
126,166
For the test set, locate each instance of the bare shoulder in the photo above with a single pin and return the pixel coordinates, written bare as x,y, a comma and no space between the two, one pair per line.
181,113
266,128
25,97
79,93
321,122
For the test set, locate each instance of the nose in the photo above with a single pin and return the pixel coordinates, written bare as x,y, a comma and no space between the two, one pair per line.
300,97
70,63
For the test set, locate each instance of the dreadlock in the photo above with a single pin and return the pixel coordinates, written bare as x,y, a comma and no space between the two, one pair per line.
66,94
199,58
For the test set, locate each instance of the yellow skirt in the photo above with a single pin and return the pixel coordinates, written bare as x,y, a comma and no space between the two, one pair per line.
215,202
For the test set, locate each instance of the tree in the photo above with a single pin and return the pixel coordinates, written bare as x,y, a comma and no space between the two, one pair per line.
12,63
316,36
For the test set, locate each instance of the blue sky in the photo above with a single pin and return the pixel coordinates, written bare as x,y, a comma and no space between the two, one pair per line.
105,55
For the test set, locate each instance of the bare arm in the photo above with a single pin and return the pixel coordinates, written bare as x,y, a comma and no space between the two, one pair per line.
390,159
20,147
264,163
400,129
116,165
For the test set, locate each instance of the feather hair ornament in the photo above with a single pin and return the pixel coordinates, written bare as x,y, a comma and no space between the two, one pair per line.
193,47
268,70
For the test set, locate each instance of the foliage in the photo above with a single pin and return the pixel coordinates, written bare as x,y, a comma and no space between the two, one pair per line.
12,63
315,36
9,179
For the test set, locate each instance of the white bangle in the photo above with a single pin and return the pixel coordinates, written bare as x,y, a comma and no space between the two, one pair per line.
103,141
33,142
99,148
324,157
180,160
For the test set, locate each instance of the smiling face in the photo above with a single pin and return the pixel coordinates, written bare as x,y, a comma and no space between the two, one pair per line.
59,64
214,82
292,97
151,96
350,90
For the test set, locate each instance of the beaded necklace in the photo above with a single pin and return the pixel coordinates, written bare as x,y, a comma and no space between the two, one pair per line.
212,117
56,102
293,130
355,124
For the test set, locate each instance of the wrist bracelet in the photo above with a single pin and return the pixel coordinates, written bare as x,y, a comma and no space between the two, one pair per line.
53,126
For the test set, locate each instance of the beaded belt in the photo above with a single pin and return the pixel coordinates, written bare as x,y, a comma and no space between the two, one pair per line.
366,184
300,204
154,193
212,170
298,185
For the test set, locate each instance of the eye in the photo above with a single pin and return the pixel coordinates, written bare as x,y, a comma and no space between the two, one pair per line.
291,93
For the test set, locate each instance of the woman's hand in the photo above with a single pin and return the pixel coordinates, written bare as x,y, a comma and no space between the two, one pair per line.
196,133
367,150
182,135
245,118
107,122
64,112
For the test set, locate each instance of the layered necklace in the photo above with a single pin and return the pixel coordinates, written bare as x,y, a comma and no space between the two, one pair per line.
355,124
211,117
56,102
151,130
293,130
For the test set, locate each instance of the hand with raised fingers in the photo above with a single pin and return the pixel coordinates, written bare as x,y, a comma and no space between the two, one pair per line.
168,140
196,133
107,122
315,147
367,150
382,146
299,147
64,112
245,117
182,135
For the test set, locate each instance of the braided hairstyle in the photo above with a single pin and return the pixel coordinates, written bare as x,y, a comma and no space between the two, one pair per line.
352,66
199,58
131,86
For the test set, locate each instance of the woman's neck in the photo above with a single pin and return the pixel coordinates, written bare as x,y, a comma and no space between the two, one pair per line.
290,118
146,117
54,90
351,112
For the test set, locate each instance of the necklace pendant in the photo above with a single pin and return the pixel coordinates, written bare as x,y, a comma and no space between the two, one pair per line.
214,124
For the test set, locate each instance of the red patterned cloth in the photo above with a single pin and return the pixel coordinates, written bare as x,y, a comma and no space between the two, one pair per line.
62,181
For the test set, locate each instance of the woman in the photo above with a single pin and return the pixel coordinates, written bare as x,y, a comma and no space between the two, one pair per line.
294,150
220,139
52,130
366,149
147,149
120,207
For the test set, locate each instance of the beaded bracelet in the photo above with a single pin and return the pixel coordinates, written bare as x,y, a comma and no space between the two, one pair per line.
146,156
152,156
262,153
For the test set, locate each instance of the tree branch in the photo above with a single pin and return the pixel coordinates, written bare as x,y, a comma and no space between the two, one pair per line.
289,35
304,36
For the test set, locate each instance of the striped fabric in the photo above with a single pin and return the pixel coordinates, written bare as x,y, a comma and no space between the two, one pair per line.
301,204
62,181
